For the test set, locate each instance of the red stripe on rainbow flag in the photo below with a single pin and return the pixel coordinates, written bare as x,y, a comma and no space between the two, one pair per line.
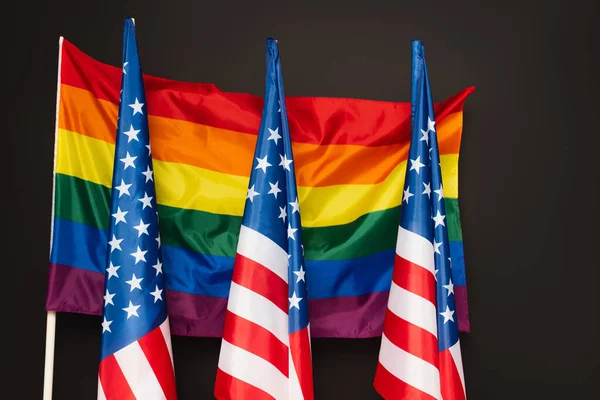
311,119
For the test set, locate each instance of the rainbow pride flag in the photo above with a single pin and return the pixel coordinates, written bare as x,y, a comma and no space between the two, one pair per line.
350,158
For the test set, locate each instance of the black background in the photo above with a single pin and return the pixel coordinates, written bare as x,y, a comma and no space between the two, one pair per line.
529,174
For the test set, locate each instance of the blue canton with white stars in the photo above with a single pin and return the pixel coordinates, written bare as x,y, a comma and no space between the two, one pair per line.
423,204
134,293
272,206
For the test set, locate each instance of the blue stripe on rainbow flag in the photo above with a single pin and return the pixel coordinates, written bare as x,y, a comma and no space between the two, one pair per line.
207,275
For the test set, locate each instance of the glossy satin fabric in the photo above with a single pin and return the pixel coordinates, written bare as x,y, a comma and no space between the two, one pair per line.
349,160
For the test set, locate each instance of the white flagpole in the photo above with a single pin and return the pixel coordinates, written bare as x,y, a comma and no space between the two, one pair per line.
51,315
49,362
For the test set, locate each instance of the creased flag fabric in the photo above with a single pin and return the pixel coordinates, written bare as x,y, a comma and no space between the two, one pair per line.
420,354
350,157
265,350
136,358
452,378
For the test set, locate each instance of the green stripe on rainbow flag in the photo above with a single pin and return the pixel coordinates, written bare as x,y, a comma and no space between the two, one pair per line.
206,233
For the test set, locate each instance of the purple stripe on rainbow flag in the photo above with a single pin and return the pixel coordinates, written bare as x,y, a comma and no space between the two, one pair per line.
194,315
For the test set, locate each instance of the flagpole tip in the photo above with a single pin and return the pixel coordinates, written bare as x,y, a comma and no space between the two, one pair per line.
272,46
418,48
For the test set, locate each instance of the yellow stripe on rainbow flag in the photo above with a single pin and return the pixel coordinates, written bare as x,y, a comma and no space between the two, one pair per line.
184,186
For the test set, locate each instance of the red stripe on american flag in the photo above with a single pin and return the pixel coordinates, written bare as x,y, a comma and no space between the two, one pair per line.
156,351
301,357
113,381
257,340
260,280
229,388
390,387
411,338
451,385
414,278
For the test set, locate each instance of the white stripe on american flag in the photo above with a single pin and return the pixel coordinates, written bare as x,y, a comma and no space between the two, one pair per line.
457,357
415,248
410,369
294,382
101,395
259,248
413,308
252,369
138,372
249,305
165,328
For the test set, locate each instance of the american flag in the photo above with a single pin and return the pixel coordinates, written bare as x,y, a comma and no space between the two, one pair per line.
265,350
136,356
420,355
